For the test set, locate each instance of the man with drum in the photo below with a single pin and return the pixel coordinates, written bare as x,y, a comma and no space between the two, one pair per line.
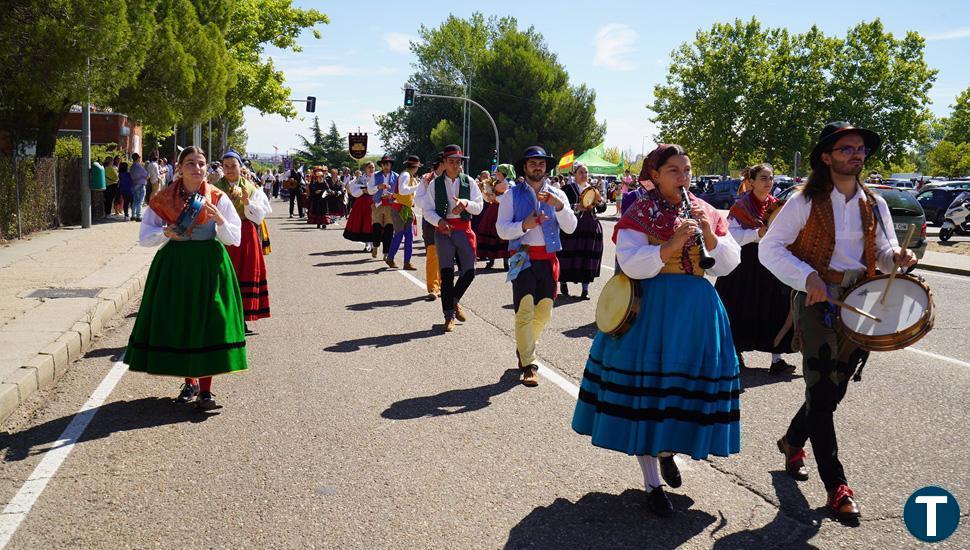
530,217
827,237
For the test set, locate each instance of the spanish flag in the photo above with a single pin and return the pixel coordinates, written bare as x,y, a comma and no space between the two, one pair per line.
566,162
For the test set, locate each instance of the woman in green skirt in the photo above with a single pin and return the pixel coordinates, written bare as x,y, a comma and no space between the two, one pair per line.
190,323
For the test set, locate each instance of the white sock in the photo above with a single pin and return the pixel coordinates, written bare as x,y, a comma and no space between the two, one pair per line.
775,357
651,471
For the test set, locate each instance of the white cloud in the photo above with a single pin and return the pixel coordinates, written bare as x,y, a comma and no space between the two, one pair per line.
949,35
613,43
399,42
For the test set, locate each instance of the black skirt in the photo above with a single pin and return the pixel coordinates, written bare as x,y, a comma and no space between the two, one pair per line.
758,305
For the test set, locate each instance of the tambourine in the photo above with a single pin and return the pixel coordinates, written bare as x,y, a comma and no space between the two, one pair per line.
590,197
186,220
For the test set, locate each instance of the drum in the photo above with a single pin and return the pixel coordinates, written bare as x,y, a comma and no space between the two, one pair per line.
618,305
186,220
905,316
590,197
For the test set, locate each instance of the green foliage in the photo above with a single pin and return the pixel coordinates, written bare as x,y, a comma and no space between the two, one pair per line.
69,147
741,94
950,159
512,73
958,125
328,149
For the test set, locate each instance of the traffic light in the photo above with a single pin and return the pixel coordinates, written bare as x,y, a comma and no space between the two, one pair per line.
311,104
409,97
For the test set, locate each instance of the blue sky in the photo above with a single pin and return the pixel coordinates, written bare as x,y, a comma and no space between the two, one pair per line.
359,66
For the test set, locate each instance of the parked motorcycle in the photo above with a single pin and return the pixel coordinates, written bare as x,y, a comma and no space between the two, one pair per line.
956,220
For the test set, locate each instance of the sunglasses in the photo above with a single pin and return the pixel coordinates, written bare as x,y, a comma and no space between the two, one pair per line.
849,151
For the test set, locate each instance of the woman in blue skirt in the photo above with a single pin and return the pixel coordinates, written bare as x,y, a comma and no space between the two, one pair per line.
670,383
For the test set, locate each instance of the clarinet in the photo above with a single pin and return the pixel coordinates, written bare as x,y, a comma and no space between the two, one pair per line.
706,261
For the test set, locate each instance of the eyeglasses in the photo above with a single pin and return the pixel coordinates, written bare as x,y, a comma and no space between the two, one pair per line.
849,150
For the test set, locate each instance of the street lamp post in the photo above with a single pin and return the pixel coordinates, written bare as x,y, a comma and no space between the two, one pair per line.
473,102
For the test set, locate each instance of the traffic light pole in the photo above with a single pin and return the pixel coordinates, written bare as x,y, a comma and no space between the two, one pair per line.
473,102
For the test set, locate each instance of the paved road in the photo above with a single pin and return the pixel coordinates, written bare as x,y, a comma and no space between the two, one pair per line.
359,425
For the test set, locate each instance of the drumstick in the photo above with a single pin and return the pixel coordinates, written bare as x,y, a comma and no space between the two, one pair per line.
892,276
853,309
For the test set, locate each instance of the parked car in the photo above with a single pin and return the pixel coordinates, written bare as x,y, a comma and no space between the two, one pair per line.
904,185
934,184
904,209
722,194
936,200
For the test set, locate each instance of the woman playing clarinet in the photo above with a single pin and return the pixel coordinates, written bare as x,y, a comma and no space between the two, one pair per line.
670,383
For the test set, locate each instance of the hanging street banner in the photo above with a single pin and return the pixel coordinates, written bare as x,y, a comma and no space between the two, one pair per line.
358,145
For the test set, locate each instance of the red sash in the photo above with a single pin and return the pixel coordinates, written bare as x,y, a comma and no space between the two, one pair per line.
540,253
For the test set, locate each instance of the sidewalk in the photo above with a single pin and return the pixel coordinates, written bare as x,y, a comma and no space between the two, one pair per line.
57,291
956,264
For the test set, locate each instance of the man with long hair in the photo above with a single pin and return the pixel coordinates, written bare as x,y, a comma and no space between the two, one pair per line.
832,234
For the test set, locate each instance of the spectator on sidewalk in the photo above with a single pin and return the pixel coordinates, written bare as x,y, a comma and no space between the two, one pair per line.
154,176
111,185
139,179
125,186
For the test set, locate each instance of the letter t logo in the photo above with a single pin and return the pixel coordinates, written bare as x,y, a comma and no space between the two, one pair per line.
931,502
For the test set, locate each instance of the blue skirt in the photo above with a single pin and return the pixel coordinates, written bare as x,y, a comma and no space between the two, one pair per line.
671,382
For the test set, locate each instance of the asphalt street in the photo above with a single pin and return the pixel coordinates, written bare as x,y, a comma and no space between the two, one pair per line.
361,425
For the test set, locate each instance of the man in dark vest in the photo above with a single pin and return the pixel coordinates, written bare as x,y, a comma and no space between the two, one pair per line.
825,239
449,203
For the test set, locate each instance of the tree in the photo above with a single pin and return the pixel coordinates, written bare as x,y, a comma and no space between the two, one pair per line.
950,159
882,83
325,149
740,94
54,53
335,149
512,73
958,125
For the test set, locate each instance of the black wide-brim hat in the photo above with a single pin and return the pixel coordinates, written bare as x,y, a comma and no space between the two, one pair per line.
386,158
452,151
413,160
534,152
834,131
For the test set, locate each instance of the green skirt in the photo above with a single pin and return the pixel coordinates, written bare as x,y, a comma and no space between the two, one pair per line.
190,323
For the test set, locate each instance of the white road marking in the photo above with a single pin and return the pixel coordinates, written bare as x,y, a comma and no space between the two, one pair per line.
604,266
16,511
549,373
940,357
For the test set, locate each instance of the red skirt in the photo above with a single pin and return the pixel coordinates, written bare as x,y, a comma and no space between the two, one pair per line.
250,266
490,246
359,227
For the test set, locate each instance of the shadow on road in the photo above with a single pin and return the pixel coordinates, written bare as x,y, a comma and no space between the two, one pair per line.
366,306
347,262
114,354
348,346
599,520
752,378
118,416
585,331
363,272
336,253
452,401
792,527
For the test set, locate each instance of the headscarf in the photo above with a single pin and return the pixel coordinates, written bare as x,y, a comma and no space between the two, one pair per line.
232,154
655,217
752,213
508,170
653,160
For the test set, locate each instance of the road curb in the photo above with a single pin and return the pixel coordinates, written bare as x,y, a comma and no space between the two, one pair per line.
944,269
49,364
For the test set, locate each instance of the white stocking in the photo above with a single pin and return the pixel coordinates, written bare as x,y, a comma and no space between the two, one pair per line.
651,471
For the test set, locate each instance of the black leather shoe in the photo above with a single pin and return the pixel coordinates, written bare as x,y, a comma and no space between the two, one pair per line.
794,460
658,503
670,472
843,504
188,393
206,401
